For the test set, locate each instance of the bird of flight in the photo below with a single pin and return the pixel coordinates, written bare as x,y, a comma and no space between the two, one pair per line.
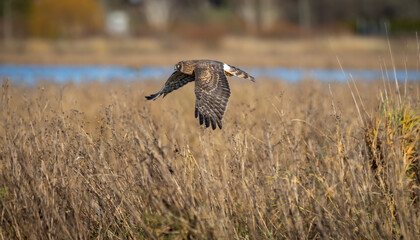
212,90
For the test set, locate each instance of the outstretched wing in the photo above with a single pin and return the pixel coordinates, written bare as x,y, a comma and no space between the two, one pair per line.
212,95
175,81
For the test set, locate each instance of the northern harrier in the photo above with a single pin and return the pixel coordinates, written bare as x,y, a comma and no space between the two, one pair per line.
211,87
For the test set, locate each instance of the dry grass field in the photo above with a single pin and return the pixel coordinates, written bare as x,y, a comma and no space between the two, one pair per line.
308,160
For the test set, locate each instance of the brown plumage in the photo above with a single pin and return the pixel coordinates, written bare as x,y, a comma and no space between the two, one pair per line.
211,87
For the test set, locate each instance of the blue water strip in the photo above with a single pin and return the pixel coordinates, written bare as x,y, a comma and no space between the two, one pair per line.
31,74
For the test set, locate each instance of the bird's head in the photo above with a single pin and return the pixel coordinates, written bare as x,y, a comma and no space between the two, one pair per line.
184,67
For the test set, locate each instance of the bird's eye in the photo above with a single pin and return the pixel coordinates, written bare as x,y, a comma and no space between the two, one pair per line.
178,66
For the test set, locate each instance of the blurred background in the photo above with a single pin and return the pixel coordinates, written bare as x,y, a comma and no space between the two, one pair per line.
255,33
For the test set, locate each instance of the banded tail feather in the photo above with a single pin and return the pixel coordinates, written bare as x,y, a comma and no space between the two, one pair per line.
234,71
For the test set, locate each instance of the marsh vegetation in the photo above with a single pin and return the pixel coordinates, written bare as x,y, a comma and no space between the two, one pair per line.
303,160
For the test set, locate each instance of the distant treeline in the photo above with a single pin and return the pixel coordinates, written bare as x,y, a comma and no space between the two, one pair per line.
77,18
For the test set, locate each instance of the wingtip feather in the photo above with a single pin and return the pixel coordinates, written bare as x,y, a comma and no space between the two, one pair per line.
207,121
153,96
213,124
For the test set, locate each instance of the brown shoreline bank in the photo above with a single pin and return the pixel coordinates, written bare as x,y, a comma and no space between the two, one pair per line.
322,52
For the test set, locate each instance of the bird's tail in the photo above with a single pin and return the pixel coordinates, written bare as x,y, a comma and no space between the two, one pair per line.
234,71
